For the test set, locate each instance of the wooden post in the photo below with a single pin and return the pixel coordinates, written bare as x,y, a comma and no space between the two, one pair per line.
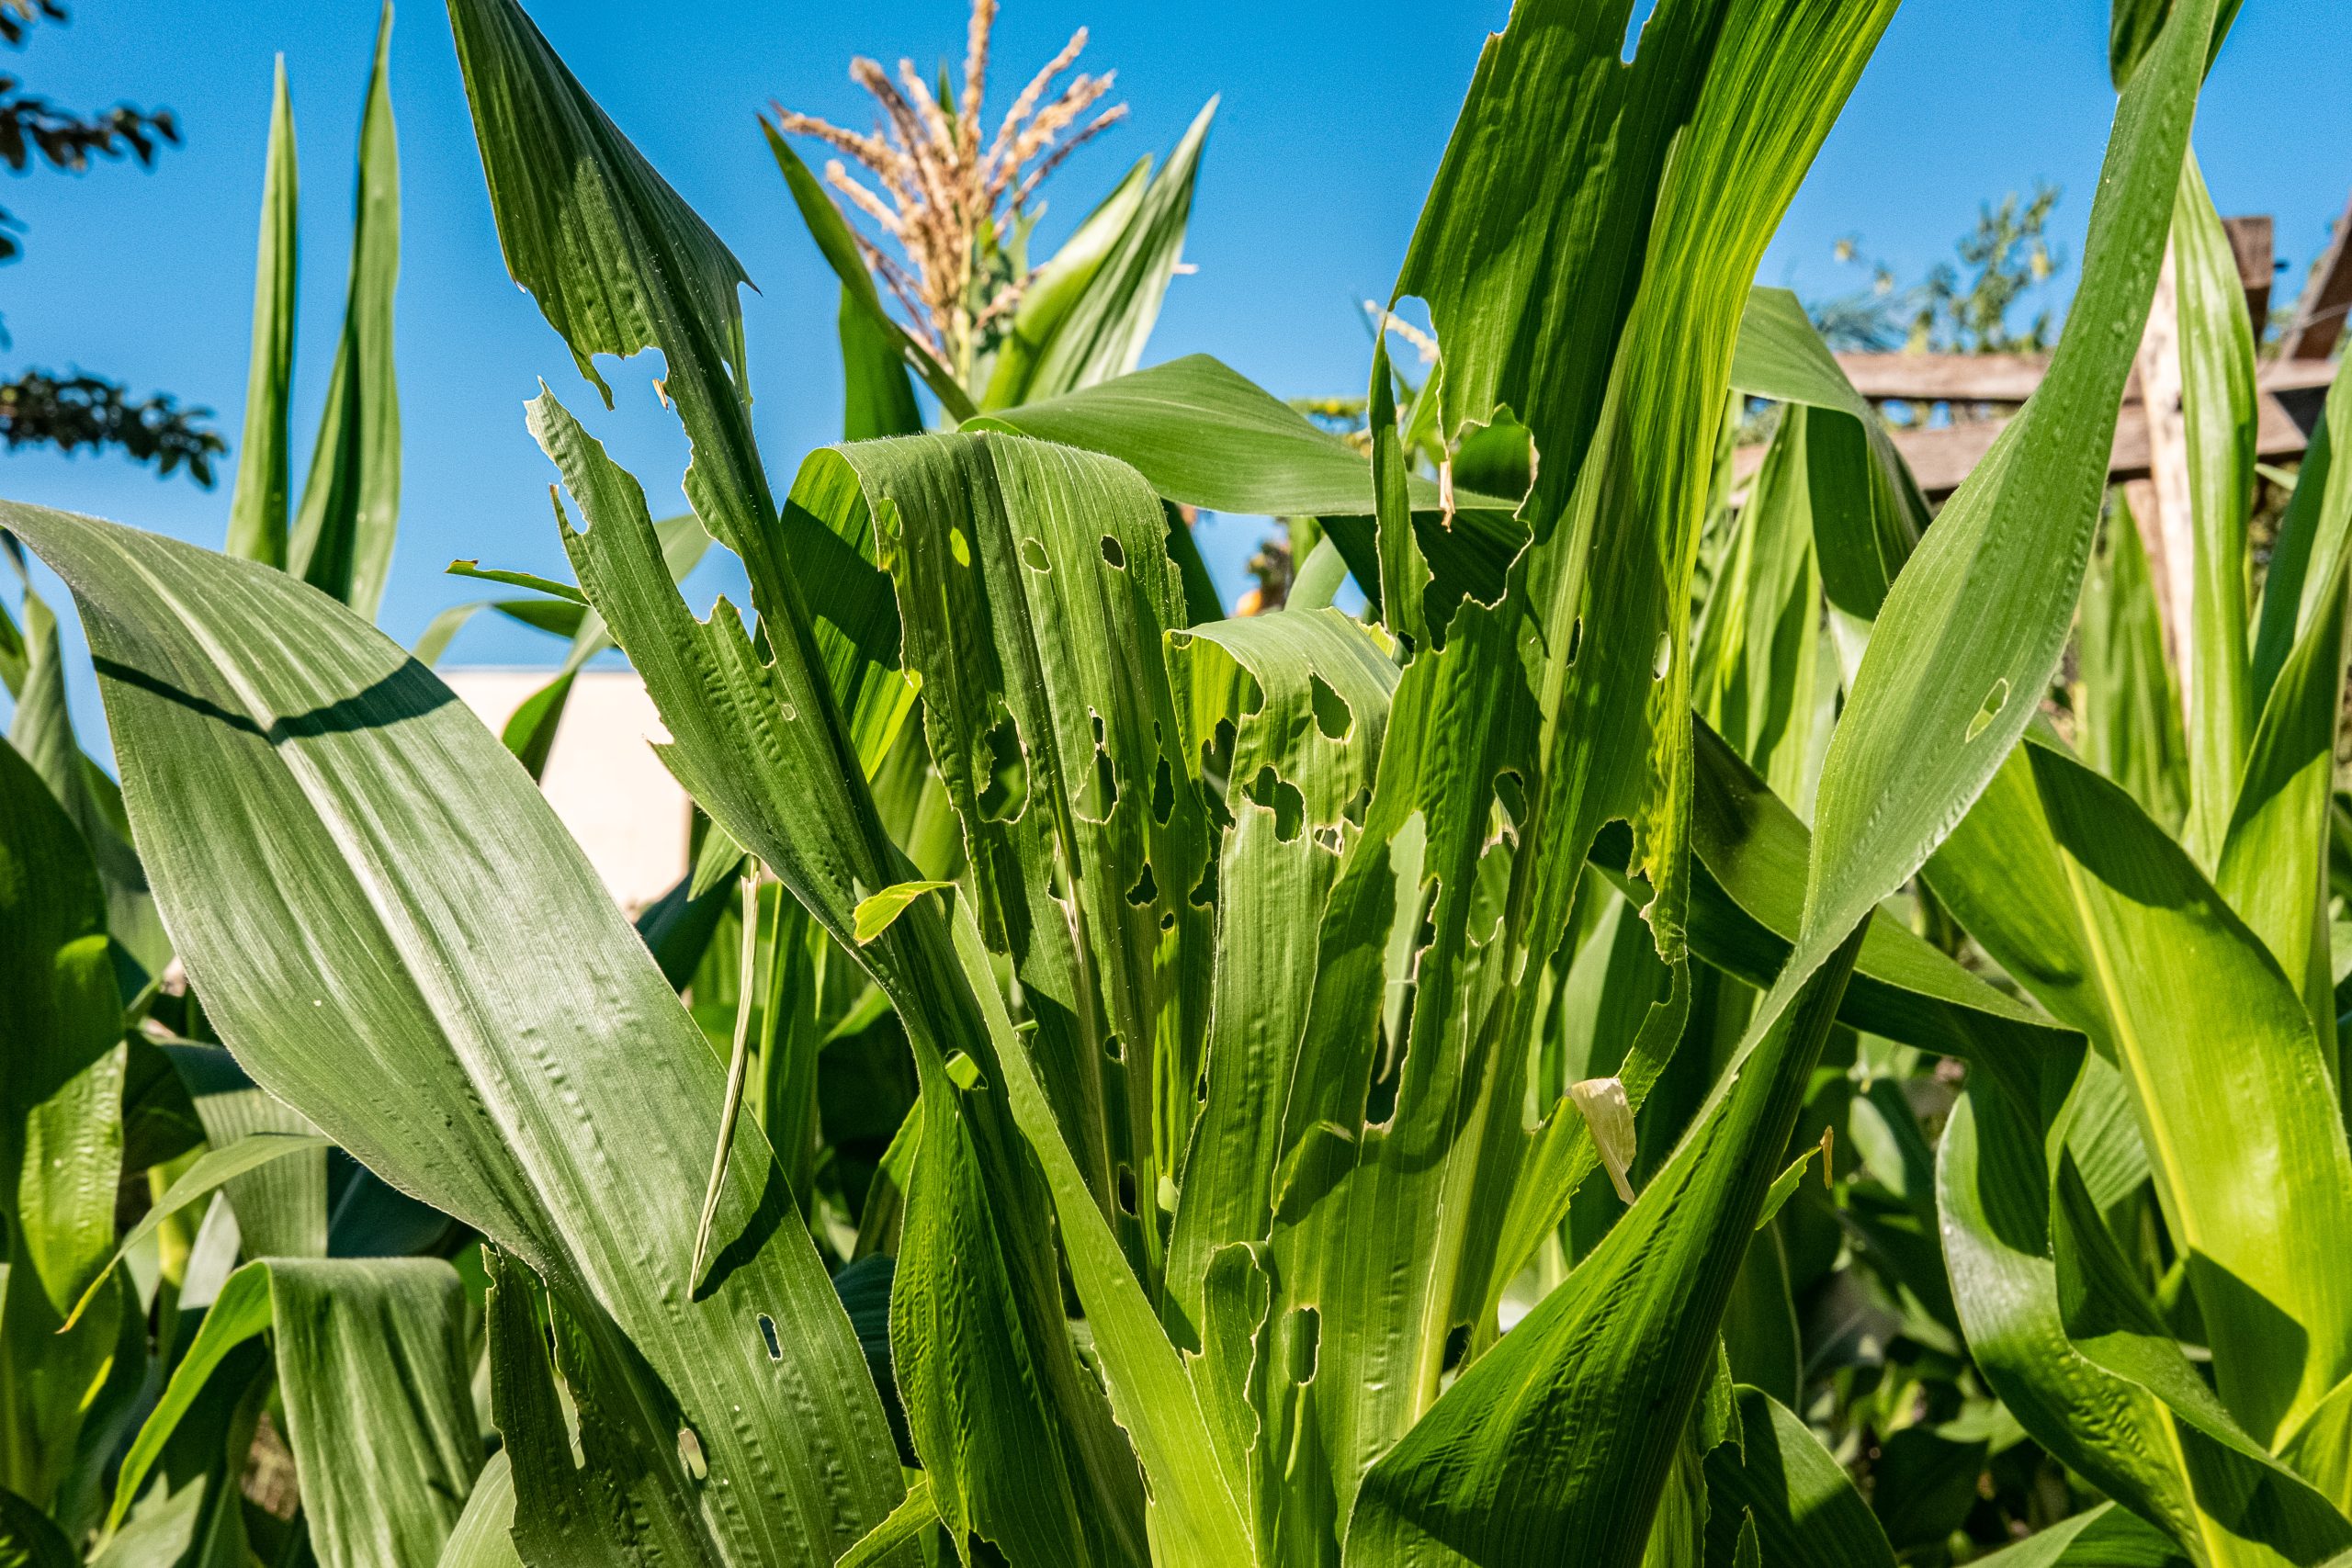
2320,310
2160,502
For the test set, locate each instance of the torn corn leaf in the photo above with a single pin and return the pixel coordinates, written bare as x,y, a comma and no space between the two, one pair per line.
873,916
1602,1104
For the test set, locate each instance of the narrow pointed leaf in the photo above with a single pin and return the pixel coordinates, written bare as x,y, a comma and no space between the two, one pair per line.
343,534
257,511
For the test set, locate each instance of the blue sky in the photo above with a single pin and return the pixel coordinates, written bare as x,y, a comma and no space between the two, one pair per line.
1333,118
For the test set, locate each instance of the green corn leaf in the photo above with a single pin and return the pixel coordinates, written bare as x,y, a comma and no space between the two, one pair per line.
877,394
1974,627
1759,671
2078,1358
483,1536
60,1132
1867,512
2133,27
2127,708
1054,289
61,1151
371,1370
1103,333
560,1511
2273,869
257,510
213,1170
566,592
280,1204
2109,1536
1203,436
834,241
1993,1195
28,1538
905,1526
1302,759
1805,1511
2311,545
2247,1146
2218,408
1543,1450
343,532
873,916
43,731
2111,1322
393,821
1197,1516
981,1316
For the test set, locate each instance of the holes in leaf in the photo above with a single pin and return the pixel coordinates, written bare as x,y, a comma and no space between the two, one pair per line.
1457,1345
1329,839
1203,892
1281,796
1115,553
1168,921
1096,719
1114,1048
1663,659
1510,793
1004,769
1033,556
1358,804
1576,637
1995,701
767,1332
1163,791
1253,695
1145,890
1126,1190
1305,1336
1333,715
1106,789
1216,772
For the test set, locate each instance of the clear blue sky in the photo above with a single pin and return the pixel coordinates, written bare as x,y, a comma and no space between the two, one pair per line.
1333,123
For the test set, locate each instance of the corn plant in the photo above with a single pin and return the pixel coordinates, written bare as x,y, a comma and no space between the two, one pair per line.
1305,1088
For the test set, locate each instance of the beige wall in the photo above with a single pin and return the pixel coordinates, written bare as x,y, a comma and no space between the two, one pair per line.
602,775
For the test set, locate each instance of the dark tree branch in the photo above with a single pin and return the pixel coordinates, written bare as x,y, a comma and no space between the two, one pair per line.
37,409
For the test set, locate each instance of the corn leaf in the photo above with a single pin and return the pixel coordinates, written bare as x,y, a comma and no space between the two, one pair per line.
1867,512
1804,1508
343,532
354,804
372,1371
483,1536
980,1318
61,1138
213,1169
2128,709
1973,630
257,509
2218,410
838,245
2247,1146
43,731
1543,1451
2109,1536
1103,332
1054,289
